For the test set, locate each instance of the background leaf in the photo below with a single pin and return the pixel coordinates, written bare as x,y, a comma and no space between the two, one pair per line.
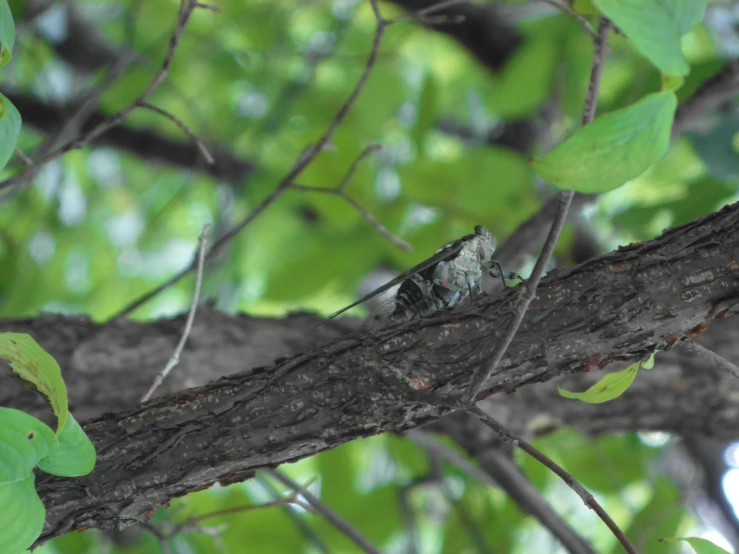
656,27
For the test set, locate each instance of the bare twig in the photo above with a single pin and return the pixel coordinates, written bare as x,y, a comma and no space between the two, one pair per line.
340,191
710,355
291,499
193,523
429,443
185,129
587,498
567,10
25,159
175,358
300,523
321,508
528,290
185,11
300,165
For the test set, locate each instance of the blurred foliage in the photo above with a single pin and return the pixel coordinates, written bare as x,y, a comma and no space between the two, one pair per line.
99,227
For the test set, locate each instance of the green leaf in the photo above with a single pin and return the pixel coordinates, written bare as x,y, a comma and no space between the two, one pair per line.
660,517
584,7
22,516
656,27
24,440
701,546
611,386
613,149
10,129
7,33
75,456
36,366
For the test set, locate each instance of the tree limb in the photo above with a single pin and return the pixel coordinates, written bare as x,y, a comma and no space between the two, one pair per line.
619,307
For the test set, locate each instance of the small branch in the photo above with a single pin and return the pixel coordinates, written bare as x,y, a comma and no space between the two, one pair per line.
566,10
339,190
175,358
185,129
710,355
300,165
599,58
371,149
528,289
326,512
22,157
184,13
192,523
429,443
571,482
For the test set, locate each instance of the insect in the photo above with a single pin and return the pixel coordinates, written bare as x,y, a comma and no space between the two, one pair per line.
452,274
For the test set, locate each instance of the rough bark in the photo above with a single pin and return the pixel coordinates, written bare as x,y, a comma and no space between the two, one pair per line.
619,307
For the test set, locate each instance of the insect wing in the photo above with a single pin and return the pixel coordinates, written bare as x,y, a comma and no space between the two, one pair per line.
443,254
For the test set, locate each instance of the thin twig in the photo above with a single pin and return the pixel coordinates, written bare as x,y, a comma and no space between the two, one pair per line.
566,10
300,523
710,355
429,443
587,498
327,512
371,149
300,165
25,159
185,11
528,290
192,523
340,191
185,129
175,358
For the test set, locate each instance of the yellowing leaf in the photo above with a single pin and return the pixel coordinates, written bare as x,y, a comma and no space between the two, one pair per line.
611,386
33,364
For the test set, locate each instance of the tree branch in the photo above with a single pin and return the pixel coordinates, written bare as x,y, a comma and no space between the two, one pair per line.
617,307
148,144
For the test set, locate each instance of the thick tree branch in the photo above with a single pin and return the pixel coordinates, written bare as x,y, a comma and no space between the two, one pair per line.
618,307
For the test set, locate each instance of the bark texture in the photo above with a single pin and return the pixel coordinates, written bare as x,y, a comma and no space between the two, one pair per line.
619,307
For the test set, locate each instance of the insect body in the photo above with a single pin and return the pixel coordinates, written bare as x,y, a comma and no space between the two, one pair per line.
452,274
